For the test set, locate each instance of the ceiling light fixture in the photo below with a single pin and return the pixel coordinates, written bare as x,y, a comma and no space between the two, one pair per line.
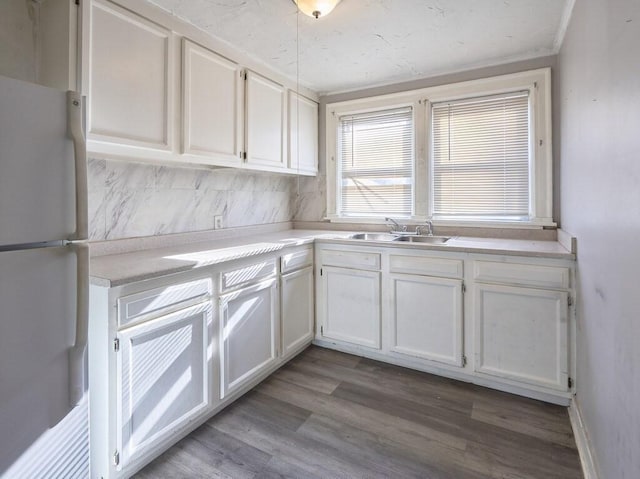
316,8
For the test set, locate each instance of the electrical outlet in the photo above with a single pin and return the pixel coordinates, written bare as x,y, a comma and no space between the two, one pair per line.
218,222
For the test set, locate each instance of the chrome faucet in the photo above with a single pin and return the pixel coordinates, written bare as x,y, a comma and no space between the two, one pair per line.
429,227
399,227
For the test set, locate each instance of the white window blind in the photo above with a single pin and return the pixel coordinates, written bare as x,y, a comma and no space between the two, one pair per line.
480,157
375,159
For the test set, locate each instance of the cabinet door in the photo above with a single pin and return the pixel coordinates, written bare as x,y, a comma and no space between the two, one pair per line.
351,306
296,310
265,123
426,317
521,334
303,134
164,378
248,334
212,106
131,80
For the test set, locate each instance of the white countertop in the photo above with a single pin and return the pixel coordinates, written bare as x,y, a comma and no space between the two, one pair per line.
118,269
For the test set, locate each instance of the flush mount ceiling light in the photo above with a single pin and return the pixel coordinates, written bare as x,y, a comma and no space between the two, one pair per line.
316,8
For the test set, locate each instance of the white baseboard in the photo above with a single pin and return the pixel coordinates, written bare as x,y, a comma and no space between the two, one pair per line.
589,468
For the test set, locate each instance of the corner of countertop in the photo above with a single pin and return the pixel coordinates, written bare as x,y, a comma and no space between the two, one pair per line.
567,241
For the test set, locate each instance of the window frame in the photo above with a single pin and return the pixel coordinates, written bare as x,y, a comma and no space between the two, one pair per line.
537,82
356,107
530,147
339,172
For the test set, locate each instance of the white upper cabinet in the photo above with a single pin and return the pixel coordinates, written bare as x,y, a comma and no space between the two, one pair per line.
303,134
131,83
212,100
161,90
265,115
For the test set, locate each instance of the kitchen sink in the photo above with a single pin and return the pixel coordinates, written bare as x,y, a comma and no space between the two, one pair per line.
374,236
402,238
423,239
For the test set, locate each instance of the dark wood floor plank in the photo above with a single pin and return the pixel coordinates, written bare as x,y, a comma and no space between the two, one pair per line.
398,459
183,461
401,430
432,384
457,398
388,402
315,382
273,410
230,455
329,356
462,425
162,467
542,421
332,415
504,442
302,453
207,453
278,468
517,463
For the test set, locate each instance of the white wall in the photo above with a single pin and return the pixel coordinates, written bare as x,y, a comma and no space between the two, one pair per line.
600,184
17,40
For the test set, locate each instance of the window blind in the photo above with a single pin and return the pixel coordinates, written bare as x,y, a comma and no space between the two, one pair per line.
480,157
375,157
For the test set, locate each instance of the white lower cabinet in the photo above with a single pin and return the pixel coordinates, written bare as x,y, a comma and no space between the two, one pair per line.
350,306
166,354
500,321
163,377
426,318
522,334
248,334
296,310
152,368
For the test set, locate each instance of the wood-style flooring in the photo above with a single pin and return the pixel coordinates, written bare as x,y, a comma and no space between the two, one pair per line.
332,415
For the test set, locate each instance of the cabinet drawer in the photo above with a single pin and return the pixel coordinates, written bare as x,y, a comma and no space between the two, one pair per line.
297,260
442,267
156,301
522,274
247,275
351,259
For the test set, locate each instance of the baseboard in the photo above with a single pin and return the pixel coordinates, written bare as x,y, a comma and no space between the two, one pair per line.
583,444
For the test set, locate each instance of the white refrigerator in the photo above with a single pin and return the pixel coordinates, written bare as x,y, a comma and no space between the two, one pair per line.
43,262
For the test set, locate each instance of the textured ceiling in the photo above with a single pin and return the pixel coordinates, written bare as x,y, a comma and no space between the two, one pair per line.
365,43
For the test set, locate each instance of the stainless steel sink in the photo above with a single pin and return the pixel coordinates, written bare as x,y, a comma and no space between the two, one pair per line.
374,236
402,238
424,239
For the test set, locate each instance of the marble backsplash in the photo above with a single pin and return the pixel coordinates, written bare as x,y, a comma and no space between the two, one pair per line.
129,199
309,198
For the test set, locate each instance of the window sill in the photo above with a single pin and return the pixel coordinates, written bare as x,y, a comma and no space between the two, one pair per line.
523,225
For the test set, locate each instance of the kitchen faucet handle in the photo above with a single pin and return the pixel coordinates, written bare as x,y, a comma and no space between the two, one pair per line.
428,225
398,226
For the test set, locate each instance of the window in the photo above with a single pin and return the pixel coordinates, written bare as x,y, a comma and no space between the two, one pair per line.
480,157
375,160
474,153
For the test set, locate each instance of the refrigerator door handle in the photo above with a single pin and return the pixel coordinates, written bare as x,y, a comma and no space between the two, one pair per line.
77,352
74,108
